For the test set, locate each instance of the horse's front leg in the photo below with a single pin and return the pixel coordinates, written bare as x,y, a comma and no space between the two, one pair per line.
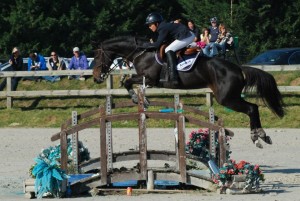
135,79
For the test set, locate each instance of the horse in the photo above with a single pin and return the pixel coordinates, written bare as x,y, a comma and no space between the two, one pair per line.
226,79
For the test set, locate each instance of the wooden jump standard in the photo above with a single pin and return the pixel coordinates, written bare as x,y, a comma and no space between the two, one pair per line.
105,118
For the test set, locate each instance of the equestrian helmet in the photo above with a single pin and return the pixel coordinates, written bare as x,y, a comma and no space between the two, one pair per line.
154,18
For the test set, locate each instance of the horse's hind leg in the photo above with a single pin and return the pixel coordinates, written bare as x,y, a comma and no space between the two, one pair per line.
240,105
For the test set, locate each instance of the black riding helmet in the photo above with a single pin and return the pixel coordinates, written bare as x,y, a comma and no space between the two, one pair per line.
154,18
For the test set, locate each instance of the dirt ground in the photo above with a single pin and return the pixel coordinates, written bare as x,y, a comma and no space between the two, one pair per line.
280,162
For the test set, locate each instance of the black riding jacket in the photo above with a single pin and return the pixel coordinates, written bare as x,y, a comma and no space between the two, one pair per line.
169,32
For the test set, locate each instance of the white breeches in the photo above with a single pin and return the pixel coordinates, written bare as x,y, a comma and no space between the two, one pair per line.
179,44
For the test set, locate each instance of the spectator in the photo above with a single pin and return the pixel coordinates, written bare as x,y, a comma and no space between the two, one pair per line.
224,39
210,49
205,36
16,62
78,62
36,62
204,40
213,30
194,29
54,63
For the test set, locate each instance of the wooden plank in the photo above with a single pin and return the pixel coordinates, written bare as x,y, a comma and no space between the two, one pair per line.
143,146
76,128
119,92
64,158
125,71
81,116
193,120
222,147
181,148
63,150
103,154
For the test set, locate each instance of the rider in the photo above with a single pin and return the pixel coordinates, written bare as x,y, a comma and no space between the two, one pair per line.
176,33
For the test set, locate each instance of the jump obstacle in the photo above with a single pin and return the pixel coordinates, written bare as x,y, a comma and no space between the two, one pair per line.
104,164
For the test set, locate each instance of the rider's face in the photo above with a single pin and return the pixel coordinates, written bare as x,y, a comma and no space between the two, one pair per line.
153,27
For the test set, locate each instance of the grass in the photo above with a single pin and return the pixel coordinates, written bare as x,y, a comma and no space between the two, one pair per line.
53,111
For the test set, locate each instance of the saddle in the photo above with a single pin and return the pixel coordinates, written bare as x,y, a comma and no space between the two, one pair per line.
179,53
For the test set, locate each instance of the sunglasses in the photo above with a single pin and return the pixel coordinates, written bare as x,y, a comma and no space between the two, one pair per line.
53,54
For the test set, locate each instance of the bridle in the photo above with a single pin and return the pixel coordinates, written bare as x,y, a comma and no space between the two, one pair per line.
105,69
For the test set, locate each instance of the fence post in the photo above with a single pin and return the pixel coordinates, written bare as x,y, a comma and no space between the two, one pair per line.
109,82
8,97
209,100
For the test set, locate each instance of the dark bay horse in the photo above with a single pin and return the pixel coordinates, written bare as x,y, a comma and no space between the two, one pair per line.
225,79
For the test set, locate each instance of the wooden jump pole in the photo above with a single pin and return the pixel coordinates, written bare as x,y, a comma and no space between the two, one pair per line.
181,148
64,157
142,133
103,153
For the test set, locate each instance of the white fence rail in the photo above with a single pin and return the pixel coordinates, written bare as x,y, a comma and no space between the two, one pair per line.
8,94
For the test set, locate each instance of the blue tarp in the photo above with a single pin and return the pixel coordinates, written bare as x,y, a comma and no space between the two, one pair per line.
129,183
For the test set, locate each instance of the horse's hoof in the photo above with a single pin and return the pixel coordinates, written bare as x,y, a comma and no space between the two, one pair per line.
135,99
146,102
258,144
254,136
262,134
267,140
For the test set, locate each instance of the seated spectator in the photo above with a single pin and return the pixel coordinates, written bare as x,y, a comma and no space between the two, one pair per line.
16,62
55,63
224,39
204,39
210,49
37,62
78,62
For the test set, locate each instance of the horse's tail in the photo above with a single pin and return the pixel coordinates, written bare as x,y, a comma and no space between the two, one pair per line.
266,88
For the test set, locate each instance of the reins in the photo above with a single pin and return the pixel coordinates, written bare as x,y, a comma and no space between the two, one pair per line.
106,70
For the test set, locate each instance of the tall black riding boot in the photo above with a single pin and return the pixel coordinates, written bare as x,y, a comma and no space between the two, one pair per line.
172,65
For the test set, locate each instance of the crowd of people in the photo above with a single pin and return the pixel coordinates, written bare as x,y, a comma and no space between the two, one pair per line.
37,62
213,40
